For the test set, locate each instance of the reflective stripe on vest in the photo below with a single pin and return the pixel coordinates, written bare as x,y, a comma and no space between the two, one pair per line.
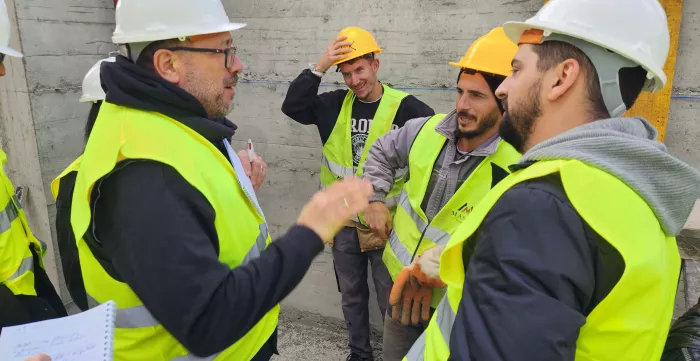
337,169
27,265
260,244
628,324
437,235
8,215
139,316
240,226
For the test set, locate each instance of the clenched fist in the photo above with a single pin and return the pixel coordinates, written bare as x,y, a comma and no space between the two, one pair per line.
378,219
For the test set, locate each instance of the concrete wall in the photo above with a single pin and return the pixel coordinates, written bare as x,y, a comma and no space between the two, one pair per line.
62,40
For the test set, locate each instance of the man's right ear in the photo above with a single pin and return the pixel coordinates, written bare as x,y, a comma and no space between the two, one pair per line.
167,64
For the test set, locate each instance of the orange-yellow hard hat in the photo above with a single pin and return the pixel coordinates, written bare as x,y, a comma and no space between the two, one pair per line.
491,53
362,41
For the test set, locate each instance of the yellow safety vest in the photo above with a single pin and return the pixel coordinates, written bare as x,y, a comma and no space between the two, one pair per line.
16,261
124,133
632,322
413,233
337,163
55,184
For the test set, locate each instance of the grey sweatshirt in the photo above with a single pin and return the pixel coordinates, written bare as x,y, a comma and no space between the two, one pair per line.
627,148
389,154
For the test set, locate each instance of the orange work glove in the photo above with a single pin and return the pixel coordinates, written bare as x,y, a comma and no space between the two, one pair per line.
427,268
410,301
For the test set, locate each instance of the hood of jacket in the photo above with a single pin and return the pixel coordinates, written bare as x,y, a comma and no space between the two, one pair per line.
627,148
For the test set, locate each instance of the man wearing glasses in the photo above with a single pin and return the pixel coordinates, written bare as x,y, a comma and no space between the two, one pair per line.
166,222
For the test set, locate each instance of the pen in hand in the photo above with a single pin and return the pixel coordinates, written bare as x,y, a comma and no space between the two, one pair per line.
251,151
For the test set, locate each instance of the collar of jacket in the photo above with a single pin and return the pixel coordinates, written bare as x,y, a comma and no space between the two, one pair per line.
130,85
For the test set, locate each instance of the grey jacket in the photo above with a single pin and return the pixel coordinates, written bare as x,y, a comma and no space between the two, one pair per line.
389,154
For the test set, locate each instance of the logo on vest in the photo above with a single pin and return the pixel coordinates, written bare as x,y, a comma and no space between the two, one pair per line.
462,213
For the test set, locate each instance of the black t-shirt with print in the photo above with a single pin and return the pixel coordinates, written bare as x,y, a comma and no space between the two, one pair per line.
362,116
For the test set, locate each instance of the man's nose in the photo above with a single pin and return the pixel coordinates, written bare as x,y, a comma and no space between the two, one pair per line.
237,66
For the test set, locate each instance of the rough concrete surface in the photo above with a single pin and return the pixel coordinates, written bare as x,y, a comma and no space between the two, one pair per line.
19,141
306,336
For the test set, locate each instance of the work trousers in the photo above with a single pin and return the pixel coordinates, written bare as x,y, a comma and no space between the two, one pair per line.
351,269
398,338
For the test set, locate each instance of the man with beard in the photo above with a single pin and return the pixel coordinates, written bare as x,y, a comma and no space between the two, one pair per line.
572,256
166,221
348,122
453,160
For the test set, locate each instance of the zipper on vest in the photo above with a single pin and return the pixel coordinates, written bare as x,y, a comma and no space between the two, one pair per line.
419,241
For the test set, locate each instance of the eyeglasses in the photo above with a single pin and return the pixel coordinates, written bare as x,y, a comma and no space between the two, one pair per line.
229,53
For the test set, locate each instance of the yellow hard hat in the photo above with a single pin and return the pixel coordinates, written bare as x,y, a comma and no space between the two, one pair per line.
362,41
491,53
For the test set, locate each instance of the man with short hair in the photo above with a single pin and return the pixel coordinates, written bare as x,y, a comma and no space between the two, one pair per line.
453,160
349,121
573,255
167,223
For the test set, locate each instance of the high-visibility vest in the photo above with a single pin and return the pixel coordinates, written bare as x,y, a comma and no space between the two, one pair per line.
122,133
56,183
337,161
632,321
412,232
65,239
16,261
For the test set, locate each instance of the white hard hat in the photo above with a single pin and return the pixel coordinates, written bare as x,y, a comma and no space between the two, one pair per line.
92,87
5,33
634,29
140,21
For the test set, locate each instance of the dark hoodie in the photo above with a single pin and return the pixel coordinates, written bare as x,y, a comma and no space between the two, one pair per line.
156,232
537,268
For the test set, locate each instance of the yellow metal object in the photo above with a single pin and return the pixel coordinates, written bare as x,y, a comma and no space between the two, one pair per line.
362,41
491,53
655,106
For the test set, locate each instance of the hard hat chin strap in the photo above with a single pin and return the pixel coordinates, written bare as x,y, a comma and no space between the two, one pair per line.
607,64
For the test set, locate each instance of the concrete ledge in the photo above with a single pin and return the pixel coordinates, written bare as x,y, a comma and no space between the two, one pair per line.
689,246
689,239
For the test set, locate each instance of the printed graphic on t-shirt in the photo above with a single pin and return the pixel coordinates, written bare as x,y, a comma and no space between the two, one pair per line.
362,115
359,133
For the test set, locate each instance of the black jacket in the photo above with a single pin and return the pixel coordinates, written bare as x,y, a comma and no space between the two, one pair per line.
683,342
156,232
535,270
306,106
22,309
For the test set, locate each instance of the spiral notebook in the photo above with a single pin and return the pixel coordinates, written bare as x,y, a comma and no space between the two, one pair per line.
86,336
